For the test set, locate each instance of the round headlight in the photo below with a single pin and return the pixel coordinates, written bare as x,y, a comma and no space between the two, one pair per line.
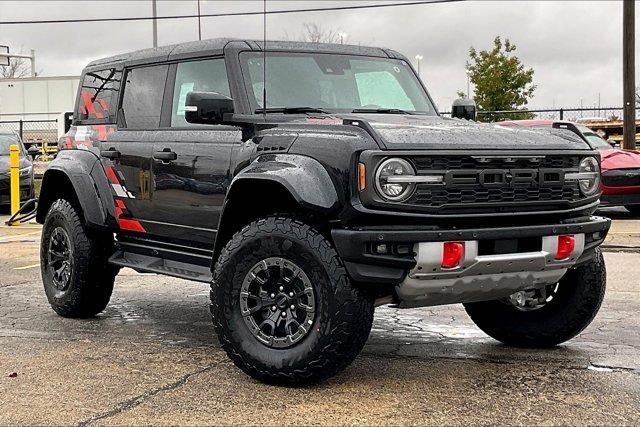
390,179
589,186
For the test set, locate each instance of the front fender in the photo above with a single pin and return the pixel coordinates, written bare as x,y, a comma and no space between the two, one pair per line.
305,178
83,172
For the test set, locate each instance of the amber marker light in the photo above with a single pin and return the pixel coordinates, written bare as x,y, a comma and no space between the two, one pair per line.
362,176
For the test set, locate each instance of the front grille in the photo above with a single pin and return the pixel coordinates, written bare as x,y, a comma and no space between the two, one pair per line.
621,178
429,163
472,196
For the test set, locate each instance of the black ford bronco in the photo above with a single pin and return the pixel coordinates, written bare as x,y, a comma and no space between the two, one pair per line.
309,183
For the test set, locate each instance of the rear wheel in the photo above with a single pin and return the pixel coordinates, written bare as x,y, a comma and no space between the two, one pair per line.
77,278
545,317
283,306
634,209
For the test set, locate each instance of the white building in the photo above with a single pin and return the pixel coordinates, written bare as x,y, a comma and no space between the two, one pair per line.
37,98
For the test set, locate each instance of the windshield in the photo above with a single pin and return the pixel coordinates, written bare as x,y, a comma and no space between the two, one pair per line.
333,83
594,139
7,140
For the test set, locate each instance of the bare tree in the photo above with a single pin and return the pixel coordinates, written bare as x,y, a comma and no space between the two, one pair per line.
316,33
17,69
637,96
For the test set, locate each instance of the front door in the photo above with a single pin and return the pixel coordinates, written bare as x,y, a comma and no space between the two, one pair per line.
190,171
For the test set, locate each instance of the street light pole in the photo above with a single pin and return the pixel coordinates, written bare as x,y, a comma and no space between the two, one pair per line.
418,60
154,11
628,74
199,27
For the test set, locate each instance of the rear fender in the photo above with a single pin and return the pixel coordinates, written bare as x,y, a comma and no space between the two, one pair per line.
79,175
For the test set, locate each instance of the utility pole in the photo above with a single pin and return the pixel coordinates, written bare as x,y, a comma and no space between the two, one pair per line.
199,27
154,10
628,74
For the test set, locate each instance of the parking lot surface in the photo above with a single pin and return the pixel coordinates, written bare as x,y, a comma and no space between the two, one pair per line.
152,358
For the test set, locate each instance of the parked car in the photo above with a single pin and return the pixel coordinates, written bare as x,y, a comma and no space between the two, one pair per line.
306,200
8,138
620,168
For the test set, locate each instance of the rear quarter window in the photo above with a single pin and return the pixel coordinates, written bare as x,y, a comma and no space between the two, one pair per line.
98,96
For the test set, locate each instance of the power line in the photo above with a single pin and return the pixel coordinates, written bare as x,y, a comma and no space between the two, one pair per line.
216,15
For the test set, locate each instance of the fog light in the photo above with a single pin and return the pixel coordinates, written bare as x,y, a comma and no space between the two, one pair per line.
452,253
566,245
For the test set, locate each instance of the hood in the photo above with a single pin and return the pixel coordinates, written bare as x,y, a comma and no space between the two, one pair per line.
616,158
413,132
4,164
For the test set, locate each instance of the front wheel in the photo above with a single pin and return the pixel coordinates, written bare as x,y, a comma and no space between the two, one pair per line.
283,306
545,317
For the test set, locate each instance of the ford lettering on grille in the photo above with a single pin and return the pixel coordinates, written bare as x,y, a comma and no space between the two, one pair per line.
494,178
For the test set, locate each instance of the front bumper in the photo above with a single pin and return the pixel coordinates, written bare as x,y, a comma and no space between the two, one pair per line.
495,261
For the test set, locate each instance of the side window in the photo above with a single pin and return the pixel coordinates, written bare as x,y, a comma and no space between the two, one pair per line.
142,99
98,96
202,76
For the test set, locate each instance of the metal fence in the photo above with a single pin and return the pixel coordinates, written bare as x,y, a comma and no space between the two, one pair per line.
32,132
569,114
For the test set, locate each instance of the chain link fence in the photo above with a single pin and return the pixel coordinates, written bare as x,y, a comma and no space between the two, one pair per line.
40,133
568,114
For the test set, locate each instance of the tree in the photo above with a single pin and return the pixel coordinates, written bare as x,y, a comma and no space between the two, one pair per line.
637,96
316,33
501,81
17,68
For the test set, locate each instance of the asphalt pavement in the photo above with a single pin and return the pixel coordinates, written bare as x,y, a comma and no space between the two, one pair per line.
152,358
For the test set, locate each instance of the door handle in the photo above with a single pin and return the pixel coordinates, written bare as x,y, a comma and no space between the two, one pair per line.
165,155
111,153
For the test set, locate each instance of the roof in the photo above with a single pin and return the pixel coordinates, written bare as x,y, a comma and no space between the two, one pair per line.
213,46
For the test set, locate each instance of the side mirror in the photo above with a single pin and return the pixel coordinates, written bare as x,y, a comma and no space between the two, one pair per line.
463,108
33,151
207,107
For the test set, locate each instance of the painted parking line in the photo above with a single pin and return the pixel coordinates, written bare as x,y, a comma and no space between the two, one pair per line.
15,236
27,267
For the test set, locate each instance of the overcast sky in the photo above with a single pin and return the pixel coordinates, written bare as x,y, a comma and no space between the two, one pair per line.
574,47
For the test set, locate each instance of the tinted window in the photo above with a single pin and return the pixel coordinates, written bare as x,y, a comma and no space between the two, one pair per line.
142,99
98,95
202,76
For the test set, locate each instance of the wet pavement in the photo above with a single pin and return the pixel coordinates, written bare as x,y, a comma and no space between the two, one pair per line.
152,358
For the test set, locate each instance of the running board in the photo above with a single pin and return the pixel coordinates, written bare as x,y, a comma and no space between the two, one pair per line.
149,264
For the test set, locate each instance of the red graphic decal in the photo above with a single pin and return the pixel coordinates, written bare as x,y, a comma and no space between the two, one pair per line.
87,98
111,174
128,224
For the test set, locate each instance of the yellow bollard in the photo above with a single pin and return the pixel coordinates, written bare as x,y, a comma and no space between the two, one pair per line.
14,164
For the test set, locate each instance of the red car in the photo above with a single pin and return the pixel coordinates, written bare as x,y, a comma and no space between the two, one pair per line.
620,182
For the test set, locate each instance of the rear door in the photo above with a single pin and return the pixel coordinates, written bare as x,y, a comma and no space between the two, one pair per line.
127,153
191,162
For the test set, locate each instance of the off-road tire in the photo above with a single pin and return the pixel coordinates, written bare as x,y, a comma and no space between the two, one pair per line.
343,316
91,279
634,209
578,299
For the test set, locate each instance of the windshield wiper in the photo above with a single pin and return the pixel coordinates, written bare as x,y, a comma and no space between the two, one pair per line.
381,111
291,110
